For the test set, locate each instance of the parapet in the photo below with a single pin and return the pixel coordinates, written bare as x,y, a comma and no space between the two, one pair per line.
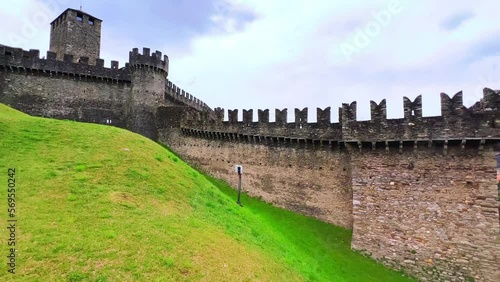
147,60
247,116
263,115
233,116
323,116
281,116
219,114
481,121
181,97
301,116
412,109
348,112
379,111
17,59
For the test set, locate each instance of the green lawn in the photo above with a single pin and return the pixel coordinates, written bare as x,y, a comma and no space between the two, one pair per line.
98,203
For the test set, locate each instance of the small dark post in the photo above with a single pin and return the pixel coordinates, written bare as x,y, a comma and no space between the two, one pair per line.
239,170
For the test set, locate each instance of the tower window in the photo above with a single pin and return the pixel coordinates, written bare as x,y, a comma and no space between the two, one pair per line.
79,17
91,21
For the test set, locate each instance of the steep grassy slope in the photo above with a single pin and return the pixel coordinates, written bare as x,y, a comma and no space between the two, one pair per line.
97,203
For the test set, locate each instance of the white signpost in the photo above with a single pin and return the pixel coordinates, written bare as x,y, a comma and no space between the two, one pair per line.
239,170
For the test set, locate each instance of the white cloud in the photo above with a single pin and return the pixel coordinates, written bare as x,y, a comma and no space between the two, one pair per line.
26,23
284,58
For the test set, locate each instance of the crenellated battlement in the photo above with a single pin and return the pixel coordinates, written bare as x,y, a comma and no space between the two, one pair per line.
19,60
412,109
16,59
149,60
178,95
378,112
482,120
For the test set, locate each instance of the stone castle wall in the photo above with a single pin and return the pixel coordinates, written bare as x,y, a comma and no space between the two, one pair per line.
312,182
422,190
81,91
432,214
432,211
63,98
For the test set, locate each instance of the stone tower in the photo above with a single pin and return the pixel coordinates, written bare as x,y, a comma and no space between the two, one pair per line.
76,33
148,73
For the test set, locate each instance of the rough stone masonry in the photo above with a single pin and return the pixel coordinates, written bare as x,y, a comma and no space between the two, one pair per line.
419,193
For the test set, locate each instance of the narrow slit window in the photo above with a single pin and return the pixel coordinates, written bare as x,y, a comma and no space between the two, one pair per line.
79,17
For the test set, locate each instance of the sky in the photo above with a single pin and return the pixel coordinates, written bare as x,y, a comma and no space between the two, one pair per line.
260,54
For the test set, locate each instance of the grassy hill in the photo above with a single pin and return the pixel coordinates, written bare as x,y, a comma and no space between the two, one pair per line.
98,203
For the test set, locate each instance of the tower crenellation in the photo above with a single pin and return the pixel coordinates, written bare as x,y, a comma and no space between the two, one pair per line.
148,74
154,61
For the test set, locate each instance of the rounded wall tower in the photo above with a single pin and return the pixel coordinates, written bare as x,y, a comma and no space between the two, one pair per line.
148,74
